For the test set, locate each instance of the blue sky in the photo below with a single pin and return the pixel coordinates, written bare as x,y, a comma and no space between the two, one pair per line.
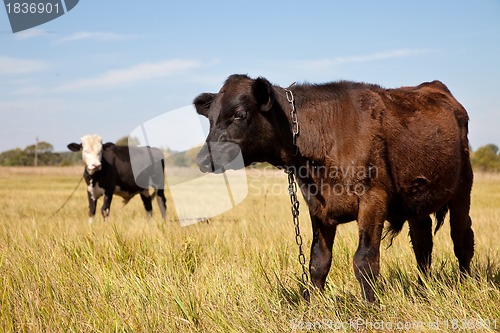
108,66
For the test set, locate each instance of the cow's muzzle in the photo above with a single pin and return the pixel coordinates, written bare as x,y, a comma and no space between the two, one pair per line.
204,159
91,169
219,156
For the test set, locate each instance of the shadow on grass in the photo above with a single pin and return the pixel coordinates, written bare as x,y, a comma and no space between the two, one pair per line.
283,291
413,285
406,284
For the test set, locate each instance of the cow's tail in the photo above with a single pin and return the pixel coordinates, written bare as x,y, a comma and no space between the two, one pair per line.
392,230
440,215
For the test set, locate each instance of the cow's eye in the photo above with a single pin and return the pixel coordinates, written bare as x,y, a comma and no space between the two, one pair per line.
239,115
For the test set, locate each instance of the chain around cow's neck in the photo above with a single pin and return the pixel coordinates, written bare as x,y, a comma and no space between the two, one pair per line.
293,116
292,191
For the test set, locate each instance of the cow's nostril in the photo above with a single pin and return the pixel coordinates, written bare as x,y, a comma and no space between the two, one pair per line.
205,164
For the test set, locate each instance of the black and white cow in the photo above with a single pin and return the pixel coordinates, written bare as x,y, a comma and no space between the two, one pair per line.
109,170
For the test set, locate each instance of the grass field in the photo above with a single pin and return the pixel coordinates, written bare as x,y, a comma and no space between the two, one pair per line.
237,273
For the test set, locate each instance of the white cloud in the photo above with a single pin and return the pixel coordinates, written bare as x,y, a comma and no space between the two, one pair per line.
321,64
95,36
30,33
141,72
25,109
29,90
13,66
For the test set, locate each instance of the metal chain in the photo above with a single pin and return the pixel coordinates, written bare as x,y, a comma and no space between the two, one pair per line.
293,116
67,200
292,191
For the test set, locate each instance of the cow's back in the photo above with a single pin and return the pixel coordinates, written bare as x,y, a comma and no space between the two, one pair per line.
136,168
116,163
425,130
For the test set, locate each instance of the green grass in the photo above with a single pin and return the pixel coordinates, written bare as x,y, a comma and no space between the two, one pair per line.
238,273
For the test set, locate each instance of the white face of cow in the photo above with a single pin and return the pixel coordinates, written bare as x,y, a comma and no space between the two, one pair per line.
92,152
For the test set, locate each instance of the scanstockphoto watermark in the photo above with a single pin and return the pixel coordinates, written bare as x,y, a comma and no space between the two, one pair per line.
321,180
360,324
26,14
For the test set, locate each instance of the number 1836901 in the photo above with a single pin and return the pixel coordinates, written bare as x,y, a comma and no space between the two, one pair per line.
33,8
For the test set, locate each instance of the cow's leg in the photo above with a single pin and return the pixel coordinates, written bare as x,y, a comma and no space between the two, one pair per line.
461,223
421,240
463,239
162,202
108,196
371,217
321,252
92,206
146,200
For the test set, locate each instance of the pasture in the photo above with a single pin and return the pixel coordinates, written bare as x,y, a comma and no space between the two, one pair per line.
238,273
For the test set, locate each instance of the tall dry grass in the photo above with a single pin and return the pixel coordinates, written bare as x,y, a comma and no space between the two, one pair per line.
238,273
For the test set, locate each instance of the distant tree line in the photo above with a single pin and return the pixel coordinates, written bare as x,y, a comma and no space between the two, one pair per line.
42,152
485,158
45,155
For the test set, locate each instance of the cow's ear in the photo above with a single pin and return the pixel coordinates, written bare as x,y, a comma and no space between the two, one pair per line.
75,146
263,92
107,145
203,102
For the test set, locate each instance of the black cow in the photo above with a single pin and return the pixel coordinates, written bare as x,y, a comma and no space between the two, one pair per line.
362,153
109,170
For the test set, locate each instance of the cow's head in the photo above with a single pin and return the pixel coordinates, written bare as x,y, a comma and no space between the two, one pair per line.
91,148
242,117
